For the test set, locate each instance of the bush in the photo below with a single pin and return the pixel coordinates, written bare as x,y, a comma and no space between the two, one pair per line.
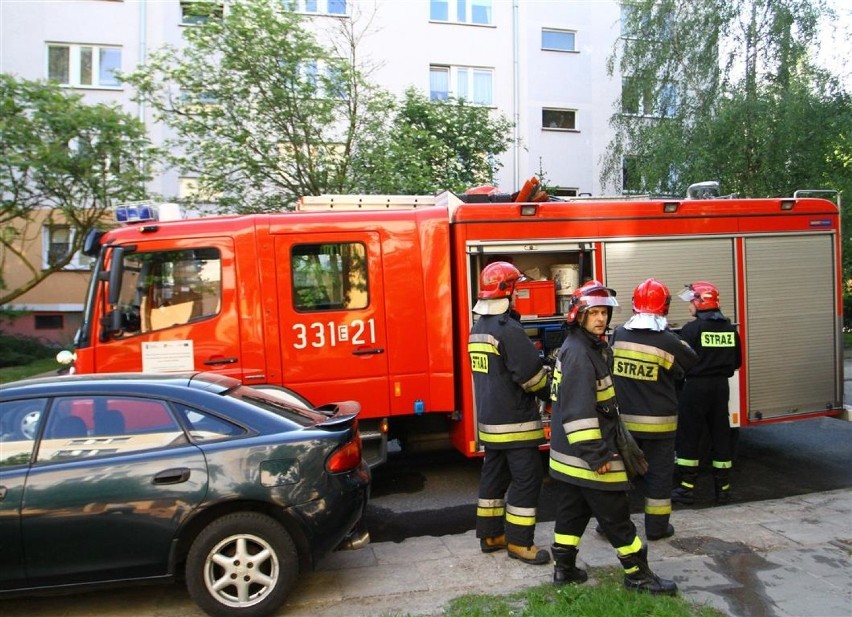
19,350
847,312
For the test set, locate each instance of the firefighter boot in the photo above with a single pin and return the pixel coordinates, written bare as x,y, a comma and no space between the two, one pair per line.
723,487
683,492
529,554
493,544
565,568
639,577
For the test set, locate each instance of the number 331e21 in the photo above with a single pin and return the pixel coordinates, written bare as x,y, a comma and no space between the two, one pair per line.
329,334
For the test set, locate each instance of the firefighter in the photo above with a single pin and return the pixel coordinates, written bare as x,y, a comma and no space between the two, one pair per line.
584,459
649,362
508,379
703,401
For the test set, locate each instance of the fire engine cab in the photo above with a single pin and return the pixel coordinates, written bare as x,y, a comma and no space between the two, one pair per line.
370,297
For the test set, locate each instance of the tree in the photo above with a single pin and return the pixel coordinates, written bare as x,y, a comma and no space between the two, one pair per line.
262,113
725,90
432,145
63,162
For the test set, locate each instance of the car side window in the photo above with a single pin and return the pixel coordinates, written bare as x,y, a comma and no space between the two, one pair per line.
91,426
19,422
207,427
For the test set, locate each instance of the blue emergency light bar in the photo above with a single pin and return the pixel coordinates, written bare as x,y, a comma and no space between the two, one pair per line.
136,213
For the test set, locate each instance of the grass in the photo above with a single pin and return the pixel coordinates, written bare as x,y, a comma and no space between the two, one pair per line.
603,596
37,367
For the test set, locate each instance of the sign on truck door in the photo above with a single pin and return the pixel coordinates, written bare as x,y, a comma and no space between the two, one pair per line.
332,316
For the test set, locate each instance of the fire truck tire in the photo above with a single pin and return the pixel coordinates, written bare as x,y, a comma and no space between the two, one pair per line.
241,565
528,190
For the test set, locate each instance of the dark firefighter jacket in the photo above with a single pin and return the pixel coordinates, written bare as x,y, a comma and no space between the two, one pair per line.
508,376
646,368
584,416
717,342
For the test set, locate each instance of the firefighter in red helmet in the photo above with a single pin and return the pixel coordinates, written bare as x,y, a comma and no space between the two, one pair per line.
508,379
704,399
584,458
649,363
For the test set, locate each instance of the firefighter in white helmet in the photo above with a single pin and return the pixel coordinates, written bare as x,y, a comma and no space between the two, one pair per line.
704,398
649,363
584,458
508,379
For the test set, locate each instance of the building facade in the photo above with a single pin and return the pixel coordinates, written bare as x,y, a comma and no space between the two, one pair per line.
542,63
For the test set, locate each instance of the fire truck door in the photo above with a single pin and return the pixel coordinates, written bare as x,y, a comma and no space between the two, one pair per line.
332,316
178,310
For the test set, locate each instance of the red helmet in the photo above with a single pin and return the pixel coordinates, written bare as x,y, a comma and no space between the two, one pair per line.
705,296
497,280
652,296
592,293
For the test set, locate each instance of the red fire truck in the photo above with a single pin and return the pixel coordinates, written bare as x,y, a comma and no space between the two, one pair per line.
370,297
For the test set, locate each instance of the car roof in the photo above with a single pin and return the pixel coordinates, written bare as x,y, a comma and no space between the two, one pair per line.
141,382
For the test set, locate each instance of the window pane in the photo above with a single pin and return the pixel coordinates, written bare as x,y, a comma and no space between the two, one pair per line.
329,277
85,66
461,11
482,89
110,63
58,63
19,422
161,290
337,7
557,40
558,119
462,88
439,10
439,83
481,11
207,427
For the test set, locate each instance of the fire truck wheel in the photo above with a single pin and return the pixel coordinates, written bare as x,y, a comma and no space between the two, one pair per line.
242,564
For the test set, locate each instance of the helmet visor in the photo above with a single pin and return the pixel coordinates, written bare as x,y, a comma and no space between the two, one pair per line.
687,294
600,301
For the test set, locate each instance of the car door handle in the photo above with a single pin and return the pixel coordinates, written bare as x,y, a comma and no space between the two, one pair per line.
367,352
215,361
172,476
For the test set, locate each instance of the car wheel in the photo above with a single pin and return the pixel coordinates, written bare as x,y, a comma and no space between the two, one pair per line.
241,564
28,423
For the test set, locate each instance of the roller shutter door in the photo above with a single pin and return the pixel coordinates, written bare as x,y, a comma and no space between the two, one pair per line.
675,263
792,361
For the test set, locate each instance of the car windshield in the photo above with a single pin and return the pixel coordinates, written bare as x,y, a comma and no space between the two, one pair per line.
294,412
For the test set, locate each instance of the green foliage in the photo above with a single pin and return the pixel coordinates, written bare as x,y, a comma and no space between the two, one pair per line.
60,152
263,113
31,369
763,121
605,598
429,146
19,350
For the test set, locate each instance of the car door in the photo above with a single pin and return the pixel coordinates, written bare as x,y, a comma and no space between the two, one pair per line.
331,308
19,421
105,497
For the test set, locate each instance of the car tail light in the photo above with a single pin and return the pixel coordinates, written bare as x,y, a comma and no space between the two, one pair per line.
346,457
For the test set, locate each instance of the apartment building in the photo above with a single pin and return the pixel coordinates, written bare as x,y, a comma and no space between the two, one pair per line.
542,63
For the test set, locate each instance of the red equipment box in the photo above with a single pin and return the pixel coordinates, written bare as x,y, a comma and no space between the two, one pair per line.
536,298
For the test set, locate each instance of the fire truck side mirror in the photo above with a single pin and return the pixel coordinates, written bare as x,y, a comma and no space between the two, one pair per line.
116,273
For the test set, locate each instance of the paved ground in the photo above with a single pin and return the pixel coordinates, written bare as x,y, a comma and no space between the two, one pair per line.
779,558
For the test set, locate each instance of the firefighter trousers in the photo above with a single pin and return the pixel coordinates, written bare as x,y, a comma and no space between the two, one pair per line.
509,490
575,505
703,406
656,485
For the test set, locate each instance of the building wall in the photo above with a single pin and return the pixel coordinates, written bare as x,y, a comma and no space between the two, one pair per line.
401,42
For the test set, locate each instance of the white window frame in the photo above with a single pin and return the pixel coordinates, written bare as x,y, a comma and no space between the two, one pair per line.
558,111
75,53
334,8
472,12
464,82
568,34
78,261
